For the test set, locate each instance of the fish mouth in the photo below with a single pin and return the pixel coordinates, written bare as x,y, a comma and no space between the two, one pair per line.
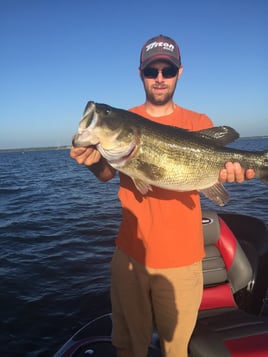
85,135
89,115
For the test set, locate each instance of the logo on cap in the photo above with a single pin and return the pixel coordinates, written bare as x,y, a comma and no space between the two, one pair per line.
166,46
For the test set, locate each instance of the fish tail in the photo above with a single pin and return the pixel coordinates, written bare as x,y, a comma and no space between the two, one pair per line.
263,171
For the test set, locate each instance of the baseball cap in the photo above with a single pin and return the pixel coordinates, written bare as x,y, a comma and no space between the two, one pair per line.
160,48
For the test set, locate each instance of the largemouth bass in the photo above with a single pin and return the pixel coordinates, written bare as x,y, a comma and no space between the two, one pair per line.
153,154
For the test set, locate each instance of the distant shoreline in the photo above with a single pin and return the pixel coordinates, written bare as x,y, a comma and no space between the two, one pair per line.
36,149
65,147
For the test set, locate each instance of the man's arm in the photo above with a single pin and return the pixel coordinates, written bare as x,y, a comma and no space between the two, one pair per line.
94,161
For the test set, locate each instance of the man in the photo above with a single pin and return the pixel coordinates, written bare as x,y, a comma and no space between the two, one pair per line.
156,268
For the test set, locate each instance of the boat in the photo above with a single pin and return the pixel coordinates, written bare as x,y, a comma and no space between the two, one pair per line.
233,315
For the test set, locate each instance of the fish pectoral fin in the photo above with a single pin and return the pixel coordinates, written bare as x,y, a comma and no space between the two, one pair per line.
142,186
216,193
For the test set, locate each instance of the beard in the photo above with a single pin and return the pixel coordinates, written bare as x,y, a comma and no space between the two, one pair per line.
160,98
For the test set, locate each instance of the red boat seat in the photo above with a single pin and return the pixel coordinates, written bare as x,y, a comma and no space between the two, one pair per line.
223,329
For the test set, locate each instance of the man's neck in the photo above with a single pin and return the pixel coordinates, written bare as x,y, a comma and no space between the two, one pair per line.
159,110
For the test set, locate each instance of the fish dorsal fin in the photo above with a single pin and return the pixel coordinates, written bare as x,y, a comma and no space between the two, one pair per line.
216,193
221,135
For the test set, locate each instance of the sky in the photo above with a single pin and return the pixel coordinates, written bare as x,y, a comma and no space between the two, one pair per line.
55,55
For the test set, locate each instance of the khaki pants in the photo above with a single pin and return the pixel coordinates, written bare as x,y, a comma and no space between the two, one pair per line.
143,297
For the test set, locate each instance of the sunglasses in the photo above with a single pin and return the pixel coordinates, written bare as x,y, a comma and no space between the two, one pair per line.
167,72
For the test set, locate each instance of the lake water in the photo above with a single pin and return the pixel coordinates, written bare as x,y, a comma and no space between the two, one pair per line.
57,230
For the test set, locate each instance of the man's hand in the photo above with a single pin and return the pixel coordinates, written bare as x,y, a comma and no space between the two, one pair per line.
87,156
233,172
94,161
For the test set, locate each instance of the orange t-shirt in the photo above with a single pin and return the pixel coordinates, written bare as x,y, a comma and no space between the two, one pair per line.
162,229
